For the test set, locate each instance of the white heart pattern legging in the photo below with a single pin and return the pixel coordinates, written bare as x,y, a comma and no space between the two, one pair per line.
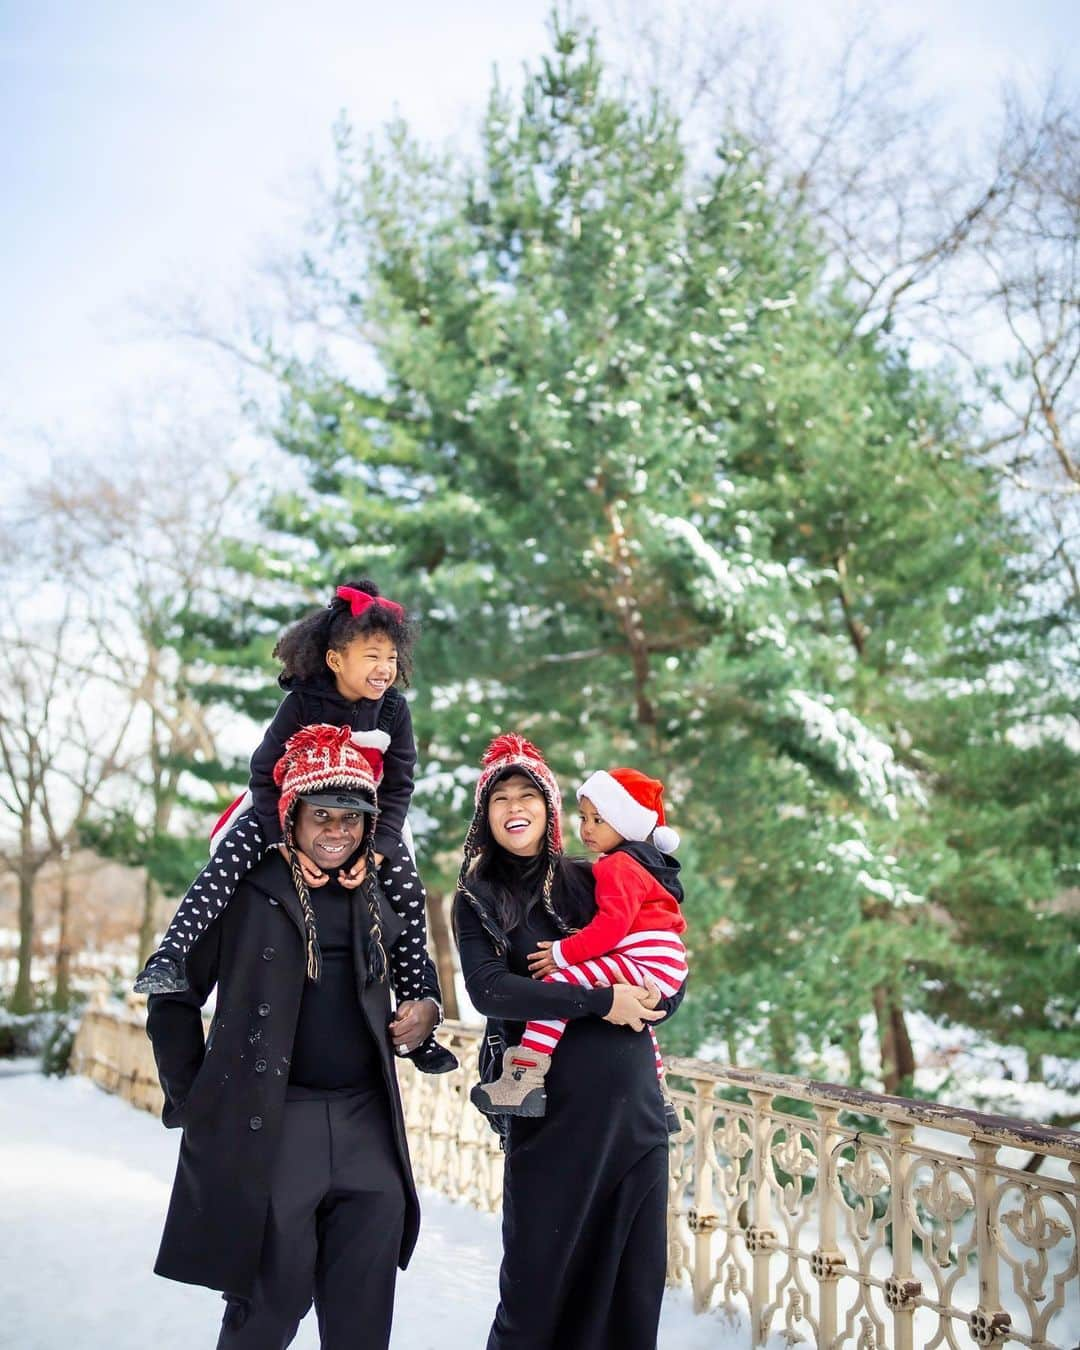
412,971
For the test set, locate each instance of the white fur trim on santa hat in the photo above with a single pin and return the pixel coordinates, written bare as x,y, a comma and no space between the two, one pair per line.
372,740
623,813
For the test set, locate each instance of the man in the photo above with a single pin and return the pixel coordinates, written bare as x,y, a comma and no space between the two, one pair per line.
293,1182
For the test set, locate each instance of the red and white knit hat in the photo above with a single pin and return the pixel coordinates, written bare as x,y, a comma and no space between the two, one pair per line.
320,758
511,751
632,804
369,741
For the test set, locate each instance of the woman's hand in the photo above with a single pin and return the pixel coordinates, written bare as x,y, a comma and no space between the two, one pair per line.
654,993
355,875
630,1007
312,875
541,961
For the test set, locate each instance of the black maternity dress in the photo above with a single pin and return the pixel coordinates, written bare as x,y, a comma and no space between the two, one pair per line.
585,1187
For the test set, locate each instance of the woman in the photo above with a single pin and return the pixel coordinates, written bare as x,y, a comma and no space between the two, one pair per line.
585,1186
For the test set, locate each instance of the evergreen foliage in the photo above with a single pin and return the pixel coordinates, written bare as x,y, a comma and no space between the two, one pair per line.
657,505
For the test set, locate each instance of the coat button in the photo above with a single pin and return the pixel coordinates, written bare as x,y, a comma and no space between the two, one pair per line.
271,899
263,1009
268,953
255,1122
260,1066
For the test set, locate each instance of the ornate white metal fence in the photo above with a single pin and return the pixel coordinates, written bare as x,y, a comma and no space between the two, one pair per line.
830,1217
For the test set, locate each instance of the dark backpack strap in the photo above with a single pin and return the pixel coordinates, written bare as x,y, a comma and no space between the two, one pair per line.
388,713
490,1062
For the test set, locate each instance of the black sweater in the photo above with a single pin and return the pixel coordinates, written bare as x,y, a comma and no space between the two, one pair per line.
317,700
333,1047
495,991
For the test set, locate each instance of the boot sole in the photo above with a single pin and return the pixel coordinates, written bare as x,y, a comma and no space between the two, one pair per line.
447,1065
532,1108
156,984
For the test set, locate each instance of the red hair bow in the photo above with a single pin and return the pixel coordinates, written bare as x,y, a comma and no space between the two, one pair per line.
360,600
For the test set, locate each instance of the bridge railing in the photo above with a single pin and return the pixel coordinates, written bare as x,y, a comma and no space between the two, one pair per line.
826,1216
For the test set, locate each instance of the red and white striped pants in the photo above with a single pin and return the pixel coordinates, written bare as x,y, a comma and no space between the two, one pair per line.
656,956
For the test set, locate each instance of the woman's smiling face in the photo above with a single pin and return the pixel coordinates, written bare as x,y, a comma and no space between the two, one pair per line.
517,815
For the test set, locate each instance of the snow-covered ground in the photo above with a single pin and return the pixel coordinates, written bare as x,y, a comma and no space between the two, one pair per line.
84,1183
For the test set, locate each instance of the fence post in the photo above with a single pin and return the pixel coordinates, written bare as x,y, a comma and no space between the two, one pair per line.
825,1262
989,1322
702,1218
901,1288
759,1236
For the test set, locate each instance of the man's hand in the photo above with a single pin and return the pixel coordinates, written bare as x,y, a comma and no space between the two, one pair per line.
379,859
312,875
355,875
541,961
412,1024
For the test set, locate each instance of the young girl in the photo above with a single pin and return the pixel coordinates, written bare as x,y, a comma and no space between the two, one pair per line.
339,666
633,939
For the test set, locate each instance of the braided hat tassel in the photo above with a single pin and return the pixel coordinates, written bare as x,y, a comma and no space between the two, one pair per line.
314,955
375,954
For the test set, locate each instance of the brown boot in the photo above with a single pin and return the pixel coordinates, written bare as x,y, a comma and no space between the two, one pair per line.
519,1090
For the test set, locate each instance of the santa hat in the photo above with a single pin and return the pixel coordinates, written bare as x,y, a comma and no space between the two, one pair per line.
632,804
506,755
322,759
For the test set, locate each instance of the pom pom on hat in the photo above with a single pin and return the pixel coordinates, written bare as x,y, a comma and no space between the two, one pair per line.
665,838
511,746
632,803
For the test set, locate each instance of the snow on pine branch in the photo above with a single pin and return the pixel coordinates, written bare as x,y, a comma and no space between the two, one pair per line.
854,854
723,582
854,751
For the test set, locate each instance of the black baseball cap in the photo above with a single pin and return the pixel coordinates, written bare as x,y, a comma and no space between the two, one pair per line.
339,800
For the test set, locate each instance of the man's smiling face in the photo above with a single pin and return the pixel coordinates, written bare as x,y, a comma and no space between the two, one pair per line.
329,837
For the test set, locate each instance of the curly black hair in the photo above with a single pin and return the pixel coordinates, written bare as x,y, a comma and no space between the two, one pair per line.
302,648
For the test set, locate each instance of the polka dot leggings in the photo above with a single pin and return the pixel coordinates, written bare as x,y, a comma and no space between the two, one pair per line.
412,972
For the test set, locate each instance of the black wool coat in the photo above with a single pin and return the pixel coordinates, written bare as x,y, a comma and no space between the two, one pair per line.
228,1094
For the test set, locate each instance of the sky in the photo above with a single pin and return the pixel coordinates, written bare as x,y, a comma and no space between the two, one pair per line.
157,155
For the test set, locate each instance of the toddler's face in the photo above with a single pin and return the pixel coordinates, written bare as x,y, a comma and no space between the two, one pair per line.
596,834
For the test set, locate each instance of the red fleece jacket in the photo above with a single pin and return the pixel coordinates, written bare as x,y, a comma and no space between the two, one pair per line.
629,899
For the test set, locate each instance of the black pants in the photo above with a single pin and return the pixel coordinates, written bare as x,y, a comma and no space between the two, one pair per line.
333,1231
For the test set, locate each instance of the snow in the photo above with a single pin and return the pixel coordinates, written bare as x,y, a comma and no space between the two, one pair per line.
855,750
84,1182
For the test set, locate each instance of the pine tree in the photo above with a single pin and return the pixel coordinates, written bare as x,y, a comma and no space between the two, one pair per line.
657,505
